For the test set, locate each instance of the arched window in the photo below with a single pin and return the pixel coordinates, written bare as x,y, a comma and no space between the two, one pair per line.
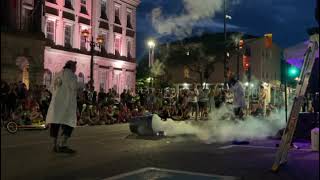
81,80
47,78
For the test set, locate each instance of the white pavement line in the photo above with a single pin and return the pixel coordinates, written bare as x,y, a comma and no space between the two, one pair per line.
226,147
261,147
139,171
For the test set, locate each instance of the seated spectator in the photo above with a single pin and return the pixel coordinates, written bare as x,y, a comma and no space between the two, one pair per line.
84,115
103,116
110,115
36,115
123,113
94,115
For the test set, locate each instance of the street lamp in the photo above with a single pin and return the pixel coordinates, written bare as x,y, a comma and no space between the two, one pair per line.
151,45
85,33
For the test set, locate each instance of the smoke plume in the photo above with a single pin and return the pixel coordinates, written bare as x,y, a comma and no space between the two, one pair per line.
221,126
181,25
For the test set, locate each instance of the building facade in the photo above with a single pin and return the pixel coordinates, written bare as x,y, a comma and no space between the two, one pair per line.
265,65
62,23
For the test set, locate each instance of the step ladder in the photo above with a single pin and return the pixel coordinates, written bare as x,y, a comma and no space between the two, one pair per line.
303,81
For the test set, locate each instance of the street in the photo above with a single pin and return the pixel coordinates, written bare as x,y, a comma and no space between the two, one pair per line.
105,151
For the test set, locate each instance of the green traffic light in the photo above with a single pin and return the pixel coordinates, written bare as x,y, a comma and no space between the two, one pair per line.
293,71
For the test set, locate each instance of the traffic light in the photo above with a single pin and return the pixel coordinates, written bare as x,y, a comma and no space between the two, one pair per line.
245,62
268,41
293,72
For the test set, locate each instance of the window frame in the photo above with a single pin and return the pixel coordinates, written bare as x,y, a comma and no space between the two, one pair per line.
71,34
54,29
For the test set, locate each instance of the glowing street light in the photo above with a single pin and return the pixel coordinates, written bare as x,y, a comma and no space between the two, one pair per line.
228,17
85,33
151,45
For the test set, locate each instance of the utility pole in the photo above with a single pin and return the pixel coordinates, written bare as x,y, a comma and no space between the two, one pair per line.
225,43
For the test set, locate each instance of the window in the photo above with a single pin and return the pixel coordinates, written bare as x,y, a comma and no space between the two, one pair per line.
117,45
50,30
47,78
104,46
129,25
81,80
103,79
83,8
117,15
104,10
68,4
68,36
129,49
27,19
83,42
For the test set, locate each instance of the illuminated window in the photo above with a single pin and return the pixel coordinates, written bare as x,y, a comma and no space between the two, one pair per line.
117,15
50,30
68,36
103,79
83,42
117,45
105,42
104,10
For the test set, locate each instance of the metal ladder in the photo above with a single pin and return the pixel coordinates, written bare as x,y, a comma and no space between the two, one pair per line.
309,59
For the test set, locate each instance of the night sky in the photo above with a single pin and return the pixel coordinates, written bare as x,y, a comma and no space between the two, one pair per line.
287,20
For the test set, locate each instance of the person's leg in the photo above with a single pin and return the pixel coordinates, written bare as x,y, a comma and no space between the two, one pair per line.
54,131
66,134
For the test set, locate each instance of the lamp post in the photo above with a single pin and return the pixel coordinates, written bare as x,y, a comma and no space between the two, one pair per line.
225,17
151,45
92,44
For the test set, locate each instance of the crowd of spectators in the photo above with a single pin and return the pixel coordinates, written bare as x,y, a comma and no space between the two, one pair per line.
99,108
23,104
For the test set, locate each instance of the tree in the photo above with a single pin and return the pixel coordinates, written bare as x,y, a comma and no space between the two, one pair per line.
194,58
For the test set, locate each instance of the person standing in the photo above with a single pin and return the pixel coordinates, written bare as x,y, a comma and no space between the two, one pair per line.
63,107
238,98
194,101
262,99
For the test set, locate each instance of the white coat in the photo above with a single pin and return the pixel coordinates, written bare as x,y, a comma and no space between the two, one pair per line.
238,96
63,105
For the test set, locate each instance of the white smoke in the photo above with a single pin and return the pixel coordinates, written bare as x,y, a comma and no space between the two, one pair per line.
181,25
222,128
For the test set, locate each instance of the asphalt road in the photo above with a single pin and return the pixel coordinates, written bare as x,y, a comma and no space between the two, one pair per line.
105,151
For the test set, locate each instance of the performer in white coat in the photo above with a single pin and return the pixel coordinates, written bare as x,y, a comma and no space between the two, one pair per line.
238,97
63,106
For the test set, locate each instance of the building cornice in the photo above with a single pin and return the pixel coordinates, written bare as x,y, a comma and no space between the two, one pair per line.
134,3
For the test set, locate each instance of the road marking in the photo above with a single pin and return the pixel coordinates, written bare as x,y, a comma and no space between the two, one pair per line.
165,173
261,147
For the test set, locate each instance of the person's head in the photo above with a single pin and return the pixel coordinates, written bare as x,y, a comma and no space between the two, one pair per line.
233,81
72,65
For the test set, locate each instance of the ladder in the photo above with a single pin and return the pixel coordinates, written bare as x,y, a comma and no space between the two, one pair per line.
309,59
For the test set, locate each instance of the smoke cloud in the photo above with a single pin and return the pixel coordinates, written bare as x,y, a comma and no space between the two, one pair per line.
181,25
221,126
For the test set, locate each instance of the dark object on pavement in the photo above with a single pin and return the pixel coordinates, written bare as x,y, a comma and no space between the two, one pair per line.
240,142
142,125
